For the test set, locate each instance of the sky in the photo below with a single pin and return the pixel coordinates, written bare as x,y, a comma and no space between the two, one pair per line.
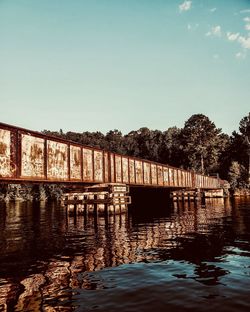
98,65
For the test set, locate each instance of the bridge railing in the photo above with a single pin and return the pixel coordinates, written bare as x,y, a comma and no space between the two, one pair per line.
32,156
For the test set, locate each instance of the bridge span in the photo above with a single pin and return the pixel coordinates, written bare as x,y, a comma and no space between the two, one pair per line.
29,156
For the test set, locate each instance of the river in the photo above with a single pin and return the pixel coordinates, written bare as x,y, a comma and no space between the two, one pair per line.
182,257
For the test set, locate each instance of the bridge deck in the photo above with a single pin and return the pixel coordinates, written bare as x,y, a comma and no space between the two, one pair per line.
29,156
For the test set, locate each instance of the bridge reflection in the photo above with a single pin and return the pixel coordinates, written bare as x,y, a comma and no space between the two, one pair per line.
53,254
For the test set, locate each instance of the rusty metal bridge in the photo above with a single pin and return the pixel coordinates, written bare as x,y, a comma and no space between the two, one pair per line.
29,156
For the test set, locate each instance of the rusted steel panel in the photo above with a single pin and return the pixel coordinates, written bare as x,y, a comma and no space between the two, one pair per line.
125,170
131,171
179,177
75,163
171,176
154,174
118,168
183,181
32,156
175,177
199,180
112,167
5,153
160,175
87,164
193,179
146,167
184,175
98,166
106,167
138,172
196,180
165,176
57,162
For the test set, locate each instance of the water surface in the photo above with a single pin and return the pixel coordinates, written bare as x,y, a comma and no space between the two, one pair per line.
182,257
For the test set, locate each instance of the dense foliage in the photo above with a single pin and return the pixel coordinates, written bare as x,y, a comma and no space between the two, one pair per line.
199,146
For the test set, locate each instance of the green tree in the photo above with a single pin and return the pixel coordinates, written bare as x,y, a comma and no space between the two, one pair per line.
245,125
201,143
115,141
170,149
144,143
234,174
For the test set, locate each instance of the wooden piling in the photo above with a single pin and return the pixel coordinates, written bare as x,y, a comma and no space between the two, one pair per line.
99,199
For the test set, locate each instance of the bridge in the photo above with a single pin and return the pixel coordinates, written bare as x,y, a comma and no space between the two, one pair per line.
29,156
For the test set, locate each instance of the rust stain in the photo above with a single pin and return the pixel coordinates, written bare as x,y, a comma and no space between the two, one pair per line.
3,148
154,174
75,162
132,170
57,160
138,172
160,175
146,173
106,167
125,169
112,168
5,153
98,166
87,165
32,158
165,176
118,168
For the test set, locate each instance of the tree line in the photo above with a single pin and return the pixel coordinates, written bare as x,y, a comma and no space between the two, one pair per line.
199,146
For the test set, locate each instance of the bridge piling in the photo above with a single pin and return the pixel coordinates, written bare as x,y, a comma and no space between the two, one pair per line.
98,199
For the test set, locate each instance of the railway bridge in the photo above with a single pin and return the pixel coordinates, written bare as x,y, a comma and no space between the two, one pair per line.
31,157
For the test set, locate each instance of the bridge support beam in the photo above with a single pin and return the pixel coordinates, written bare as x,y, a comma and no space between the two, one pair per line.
98,199
196,195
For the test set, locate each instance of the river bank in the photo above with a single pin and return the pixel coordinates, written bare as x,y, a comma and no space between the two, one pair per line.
43,192
26,192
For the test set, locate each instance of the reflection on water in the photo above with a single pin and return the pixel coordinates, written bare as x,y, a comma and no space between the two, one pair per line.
178,258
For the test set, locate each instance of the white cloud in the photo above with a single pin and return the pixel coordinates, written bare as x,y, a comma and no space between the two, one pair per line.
240,55
215,31
247,20
245,42
192,27
213,10
185,6
232,36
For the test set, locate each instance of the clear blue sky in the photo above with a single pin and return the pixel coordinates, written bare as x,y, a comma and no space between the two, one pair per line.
123,64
